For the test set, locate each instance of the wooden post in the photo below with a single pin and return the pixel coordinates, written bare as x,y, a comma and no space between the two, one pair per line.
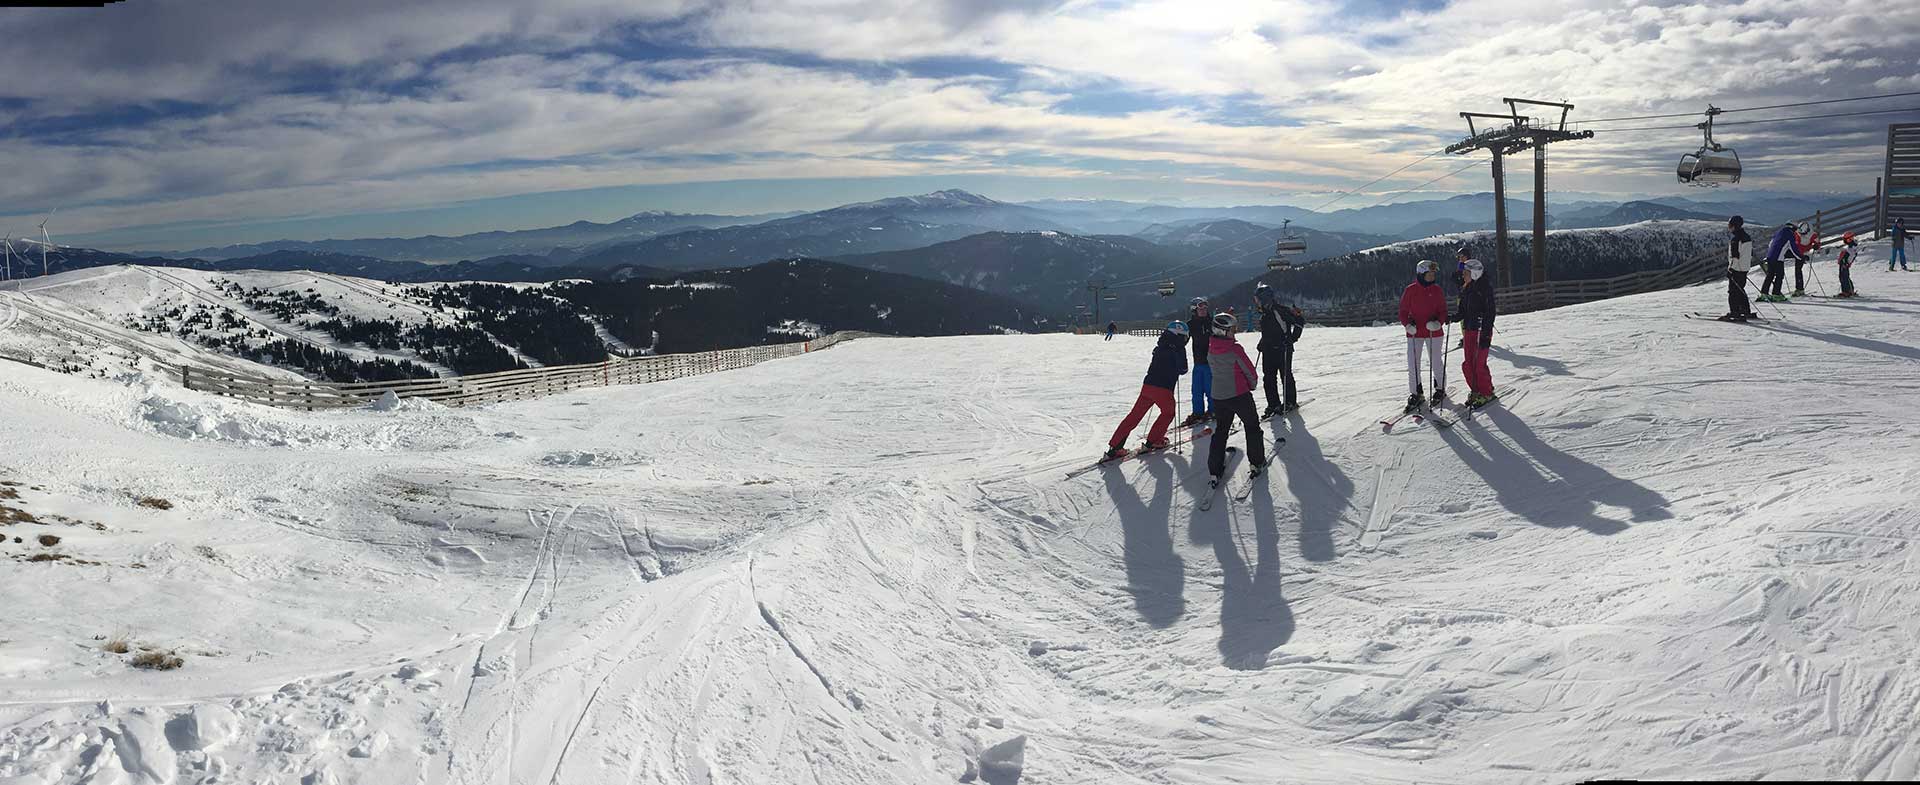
1501,258
186,376
1880,196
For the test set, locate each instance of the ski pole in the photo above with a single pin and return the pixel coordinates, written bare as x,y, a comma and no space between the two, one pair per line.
1816,278
1763,294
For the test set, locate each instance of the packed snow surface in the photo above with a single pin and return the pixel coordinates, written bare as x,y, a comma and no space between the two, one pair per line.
1681,548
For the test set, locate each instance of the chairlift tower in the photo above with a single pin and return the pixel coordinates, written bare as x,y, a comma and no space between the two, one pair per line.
1519,134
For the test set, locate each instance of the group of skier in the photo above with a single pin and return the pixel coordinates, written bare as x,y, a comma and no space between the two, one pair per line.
1796,243
1224,377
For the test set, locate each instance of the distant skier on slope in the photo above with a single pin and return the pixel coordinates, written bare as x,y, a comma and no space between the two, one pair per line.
1784,243
1199,316
1280,328
1423,312
1849,250
1235,381
1169,364
1476,322
1110,328
1739,265
1899,252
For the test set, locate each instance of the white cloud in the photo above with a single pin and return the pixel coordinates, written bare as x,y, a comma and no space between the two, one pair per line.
325,108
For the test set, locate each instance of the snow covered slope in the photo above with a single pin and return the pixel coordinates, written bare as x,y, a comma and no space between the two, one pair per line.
1682,548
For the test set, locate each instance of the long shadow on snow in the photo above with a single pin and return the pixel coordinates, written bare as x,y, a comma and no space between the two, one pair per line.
1309,471
1552,367
1571,497
1868,344
1255,618
1156,576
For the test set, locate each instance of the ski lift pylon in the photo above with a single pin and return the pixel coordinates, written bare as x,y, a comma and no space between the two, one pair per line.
1713,164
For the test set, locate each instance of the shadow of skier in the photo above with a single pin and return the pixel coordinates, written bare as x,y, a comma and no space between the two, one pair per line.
1552,367
1255,618
1573,493
1320,489
1156,576
1851,342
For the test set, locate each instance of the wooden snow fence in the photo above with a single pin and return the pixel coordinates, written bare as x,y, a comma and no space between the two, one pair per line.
498,386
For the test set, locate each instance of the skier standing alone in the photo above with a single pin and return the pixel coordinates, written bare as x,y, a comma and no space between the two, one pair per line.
1280,328
1169,364
1899,252
1110,328
1476,322
1234,381
1739,263
1423,311
1199,315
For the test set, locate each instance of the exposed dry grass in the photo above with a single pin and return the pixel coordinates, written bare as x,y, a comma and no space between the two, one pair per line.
156,660
15,515
47,557
49,540
118,644
155,503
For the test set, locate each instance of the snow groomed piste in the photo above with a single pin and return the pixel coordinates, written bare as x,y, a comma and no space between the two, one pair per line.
1682,549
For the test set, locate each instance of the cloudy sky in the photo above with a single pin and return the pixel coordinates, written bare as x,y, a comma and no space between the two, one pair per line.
171,123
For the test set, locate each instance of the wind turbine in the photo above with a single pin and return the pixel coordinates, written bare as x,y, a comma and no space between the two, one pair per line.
45,242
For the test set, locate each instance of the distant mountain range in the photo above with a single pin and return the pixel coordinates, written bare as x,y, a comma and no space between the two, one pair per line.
543,243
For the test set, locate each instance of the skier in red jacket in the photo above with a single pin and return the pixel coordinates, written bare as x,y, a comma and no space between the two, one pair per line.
1423,312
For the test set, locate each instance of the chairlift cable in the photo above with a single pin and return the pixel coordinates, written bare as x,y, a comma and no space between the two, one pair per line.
1746,109
1761,121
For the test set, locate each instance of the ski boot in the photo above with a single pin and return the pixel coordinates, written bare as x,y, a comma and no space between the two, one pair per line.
1413,403
1259,468
1477,400
1193,419
1152,445
1799,293
1270,412
1288,408
1439,397
1113,453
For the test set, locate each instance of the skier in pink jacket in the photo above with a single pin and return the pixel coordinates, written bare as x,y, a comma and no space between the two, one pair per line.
1234,380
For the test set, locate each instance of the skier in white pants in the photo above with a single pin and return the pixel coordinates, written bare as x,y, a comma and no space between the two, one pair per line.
1423,311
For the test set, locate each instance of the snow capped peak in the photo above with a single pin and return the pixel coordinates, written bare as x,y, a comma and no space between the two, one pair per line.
949,198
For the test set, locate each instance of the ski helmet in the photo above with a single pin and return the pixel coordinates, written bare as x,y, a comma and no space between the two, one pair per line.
1736,222
1847,237
1223,323
1462,251
1177,327
1472,268
1263,295
1425,266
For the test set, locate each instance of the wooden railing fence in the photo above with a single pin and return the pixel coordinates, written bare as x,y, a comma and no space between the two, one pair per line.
498,386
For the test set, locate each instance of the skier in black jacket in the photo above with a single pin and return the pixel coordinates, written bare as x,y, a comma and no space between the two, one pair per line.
1476,323
1280,327
1169,363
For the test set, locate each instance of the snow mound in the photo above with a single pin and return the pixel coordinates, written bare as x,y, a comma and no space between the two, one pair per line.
184,414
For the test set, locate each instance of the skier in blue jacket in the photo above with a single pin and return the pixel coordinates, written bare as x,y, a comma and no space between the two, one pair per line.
1899,252
1785,243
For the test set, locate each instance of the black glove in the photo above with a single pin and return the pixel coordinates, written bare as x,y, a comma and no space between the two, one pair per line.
1486,340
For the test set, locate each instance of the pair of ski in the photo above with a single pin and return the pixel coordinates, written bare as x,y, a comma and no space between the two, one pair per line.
1723,318
1426,412
1420,415
1243,489
1198,432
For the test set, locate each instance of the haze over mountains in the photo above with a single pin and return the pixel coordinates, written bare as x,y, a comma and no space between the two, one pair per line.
1041,254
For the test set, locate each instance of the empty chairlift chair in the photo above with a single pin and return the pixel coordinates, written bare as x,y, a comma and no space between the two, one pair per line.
1713,164
1166,289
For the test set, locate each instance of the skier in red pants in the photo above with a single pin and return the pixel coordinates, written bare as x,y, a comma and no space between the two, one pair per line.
1476,321
1169,364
